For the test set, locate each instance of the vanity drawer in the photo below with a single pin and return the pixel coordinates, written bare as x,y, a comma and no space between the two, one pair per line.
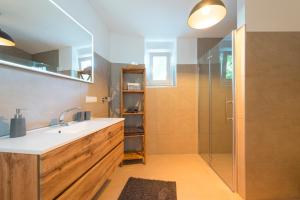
89,184
60,168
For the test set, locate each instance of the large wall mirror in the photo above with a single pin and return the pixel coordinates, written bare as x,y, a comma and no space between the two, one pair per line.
47,39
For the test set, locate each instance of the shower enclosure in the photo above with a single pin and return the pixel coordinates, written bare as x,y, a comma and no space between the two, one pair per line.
216,109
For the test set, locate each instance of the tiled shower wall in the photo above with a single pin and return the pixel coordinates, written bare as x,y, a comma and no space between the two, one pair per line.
171,112
44,97
272,115
172,116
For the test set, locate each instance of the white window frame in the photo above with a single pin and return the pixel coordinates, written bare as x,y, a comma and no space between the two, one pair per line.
166,82
161,47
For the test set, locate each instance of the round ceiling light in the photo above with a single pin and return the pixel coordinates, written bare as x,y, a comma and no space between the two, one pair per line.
207,13
5,39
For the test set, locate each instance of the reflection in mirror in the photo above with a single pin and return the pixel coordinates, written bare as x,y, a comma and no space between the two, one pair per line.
47,39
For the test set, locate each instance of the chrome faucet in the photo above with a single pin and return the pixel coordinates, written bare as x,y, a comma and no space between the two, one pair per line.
61,118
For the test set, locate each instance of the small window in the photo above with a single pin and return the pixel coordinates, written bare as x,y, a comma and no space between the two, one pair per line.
160,68
160,60
85,66
85,63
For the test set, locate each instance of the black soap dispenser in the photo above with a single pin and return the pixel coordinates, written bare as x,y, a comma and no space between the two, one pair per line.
17,125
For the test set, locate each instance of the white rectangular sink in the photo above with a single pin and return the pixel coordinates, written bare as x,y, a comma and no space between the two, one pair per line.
79,127
72,128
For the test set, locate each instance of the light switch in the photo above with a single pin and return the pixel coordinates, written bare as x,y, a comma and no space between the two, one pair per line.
89,99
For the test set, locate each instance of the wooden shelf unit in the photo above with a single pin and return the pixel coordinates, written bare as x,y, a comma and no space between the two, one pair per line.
131,132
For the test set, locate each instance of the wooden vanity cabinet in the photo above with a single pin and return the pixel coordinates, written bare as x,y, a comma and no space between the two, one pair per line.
74,171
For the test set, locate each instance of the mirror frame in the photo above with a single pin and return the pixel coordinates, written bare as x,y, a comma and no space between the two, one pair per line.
53,73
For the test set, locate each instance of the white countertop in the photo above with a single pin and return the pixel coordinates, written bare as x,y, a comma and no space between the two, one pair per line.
42,140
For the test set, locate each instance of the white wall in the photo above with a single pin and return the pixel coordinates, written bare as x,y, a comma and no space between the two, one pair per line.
118,48
273,15
126,49
187,51
84,13
241,13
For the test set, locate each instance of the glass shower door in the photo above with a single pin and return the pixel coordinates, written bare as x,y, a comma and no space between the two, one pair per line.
215,109
221,109
204,108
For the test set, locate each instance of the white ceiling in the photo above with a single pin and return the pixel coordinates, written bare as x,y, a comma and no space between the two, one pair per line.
159,18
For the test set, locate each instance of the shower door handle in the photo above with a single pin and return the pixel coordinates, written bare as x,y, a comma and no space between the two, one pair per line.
227,102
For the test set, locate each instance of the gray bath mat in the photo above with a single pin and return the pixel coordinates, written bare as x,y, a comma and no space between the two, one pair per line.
144,189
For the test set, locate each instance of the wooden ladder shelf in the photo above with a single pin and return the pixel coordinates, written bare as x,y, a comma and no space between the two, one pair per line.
135,74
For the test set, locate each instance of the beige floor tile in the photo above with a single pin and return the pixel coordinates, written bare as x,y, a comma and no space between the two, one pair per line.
194,179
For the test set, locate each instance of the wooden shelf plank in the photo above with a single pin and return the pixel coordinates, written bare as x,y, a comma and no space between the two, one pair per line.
134,70
134,130
134,134
133,156
136,113
140,152
133,91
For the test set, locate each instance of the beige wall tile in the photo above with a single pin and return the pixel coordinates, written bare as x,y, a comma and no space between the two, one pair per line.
272,115
171,112
174,125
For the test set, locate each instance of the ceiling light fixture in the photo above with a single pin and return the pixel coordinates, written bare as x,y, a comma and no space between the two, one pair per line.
207,13
5,39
